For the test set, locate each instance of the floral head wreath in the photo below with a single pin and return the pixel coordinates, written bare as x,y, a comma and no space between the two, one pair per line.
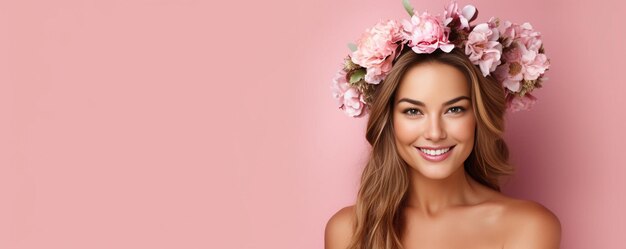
512,53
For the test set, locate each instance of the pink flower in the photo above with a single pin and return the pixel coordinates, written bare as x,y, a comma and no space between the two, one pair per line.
354,103
463,18
529,37
508,33
521,64
426,33
376,50
510,75
516,103
533,63
523,61
523,33
349,99
483,48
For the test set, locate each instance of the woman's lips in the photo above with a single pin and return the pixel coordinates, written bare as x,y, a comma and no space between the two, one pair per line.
437,158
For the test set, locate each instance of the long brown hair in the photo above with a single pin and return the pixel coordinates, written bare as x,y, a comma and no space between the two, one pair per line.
385,179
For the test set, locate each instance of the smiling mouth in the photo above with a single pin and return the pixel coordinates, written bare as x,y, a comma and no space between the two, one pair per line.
436,152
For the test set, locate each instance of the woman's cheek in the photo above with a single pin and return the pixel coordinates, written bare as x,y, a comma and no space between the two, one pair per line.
405,130
464,128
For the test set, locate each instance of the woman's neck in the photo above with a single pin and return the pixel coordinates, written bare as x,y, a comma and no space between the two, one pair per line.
432,196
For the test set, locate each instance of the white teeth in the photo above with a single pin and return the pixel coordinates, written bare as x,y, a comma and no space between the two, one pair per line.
435,152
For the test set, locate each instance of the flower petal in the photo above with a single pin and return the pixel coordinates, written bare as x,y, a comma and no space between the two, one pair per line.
469,12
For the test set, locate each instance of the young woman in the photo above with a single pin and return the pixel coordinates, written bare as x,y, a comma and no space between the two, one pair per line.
435,126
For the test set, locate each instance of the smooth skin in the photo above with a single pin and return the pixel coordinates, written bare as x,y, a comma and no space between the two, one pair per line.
446,208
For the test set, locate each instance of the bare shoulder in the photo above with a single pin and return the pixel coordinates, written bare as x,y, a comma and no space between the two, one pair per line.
530,225
339,229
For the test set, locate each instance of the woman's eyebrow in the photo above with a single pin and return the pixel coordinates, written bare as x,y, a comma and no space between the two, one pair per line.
419,103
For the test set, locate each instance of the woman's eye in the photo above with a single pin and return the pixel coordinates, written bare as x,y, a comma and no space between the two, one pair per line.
456,109
412,112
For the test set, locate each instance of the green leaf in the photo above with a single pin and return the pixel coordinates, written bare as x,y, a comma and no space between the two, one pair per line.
352,47
357,76
408,7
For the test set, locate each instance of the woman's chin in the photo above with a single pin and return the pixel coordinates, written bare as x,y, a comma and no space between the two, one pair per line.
435,171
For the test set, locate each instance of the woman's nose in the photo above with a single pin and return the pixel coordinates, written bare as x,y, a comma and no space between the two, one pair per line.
434,130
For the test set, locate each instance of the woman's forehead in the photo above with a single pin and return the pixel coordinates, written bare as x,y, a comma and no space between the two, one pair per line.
433,82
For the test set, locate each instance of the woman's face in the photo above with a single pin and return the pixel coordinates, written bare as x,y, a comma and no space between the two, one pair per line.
433,109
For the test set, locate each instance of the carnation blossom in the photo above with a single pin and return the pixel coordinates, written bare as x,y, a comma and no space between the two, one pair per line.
483,49
426,33
349,98
376,50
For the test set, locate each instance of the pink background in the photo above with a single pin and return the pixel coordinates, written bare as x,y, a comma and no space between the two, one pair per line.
210,124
